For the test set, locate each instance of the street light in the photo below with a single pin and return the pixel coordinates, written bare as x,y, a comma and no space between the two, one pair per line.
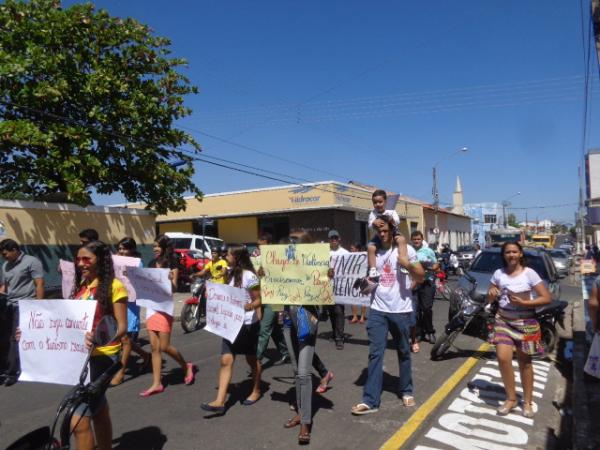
506,203
436,194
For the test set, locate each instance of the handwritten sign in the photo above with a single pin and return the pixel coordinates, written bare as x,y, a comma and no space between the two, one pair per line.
67,273
224,310
347,269
152,288
121,263
296,274
52,345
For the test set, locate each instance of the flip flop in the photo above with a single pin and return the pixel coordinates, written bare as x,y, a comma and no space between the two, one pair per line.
362,409
291,423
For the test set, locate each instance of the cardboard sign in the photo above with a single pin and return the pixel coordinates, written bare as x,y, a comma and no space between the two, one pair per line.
67,273
52,346
347,269
224,310
121,263
296,274
588,267
153,288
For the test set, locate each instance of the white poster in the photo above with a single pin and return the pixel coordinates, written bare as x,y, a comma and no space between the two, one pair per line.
121,264
347,268
52,346
224,310
67,273
153,289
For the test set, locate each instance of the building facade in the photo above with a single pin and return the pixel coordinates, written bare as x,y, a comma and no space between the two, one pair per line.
485,218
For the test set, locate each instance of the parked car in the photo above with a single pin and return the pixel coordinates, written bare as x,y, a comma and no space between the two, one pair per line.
561,261
490,259
465,255
188,241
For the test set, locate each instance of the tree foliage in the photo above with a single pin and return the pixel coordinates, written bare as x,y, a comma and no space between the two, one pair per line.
512,220
88,102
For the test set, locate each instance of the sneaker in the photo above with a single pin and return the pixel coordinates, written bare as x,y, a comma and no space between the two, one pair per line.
339,345
373,272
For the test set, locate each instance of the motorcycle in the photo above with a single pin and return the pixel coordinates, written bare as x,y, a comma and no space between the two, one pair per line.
471,317
193,313
43,438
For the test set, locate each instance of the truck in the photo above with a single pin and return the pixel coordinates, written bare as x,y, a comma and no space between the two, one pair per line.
50,231
543,240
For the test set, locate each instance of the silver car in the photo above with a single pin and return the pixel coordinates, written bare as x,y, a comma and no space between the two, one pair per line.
561,261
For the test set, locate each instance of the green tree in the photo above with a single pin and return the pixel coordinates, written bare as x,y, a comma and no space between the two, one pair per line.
88,102
512,220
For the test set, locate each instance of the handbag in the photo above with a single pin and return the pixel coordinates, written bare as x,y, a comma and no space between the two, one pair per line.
306,324
592,365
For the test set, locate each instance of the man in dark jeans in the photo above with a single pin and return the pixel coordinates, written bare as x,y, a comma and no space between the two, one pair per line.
336,312
425,292
21,277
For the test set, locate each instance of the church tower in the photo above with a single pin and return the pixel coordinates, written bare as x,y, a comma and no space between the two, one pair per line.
457,198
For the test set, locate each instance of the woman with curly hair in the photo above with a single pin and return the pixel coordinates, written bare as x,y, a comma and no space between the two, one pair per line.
95,280
242,275
159,324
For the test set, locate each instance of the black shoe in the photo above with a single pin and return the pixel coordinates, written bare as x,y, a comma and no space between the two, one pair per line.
284,360
210,408
9,380
432,338
339,345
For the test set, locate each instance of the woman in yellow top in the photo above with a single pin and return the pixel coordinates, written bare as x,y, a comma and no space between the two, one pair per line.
95,280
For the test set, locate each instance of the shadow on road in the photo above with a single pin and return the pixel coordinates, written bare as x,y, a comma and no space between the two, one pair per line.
148,438
460,353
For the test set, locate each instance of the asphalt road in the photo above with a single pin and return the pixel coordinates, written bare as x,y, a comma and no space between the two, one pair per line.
173,420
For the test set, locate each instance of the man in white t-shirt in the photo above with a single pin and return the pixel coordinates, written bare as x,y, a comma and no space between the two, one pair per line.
391,309
336,312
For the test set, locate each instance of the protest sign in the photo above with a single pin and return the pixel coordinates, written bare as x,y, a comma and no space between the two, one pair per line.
152,288
67,273
224,310
52,345
296,274
121,263
348,268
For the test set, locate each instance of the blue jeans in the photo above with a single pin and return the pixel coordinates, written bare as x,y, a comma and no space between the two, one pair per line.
378,325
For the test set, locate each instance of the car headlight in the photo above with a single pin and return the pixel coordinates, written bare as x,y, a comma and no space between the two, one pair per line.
559,265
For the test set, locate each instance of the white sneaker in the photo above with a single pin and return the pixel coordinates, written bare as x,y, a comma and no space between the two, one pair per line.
373,272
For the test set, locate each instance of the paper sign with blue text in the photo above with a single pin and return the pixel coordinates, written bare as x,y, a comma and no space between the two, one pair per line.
296,274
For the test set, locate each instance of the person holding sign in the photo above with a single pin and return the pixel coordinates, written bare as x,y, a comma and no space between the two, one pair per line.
391,310
95,280
242,275
518,290
128,247
159,323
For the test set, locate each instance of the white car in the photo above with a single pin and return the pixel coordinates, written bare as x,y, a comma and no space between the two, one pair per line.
195,242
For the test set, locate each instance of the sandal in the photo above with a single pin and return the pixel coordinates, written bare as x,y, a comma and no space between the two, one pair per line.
293,422
362,409
190,373
324,384
408,401
304,437
415,348
528,410
362,320
506,408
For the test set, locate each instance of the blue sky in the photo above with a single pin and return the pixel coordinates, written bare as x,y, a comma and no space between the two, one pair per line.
381,91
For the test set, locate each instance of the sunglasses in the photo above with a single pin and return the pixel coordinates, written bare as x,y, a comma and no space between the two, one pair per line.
83,259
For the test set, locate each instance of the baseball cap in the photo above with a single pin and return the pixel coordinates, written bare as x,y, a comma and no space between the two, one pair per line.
333,233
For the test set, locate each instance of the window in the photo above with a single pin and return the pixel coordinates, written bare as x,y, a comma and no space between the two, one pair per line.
489,218
414,226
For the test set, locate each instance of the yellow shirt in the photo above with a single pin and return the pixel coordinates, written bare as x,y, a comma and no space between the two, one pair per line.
119,294
218,271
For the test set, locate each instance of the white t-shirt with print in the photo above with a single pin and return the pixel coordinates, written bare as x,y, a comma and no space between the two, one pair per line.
394,293
249,281
523,282
333,255
388,212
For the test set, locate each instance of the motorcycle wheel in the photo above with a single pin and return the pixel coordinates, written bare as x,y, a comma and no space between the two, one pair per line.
549,337
190,320
443,344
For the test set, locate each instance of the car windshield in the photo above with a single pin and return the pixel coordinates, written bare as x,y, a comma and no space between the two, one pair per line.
489,262
558,254
181,242
504,237
214,243
466,248
541,239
